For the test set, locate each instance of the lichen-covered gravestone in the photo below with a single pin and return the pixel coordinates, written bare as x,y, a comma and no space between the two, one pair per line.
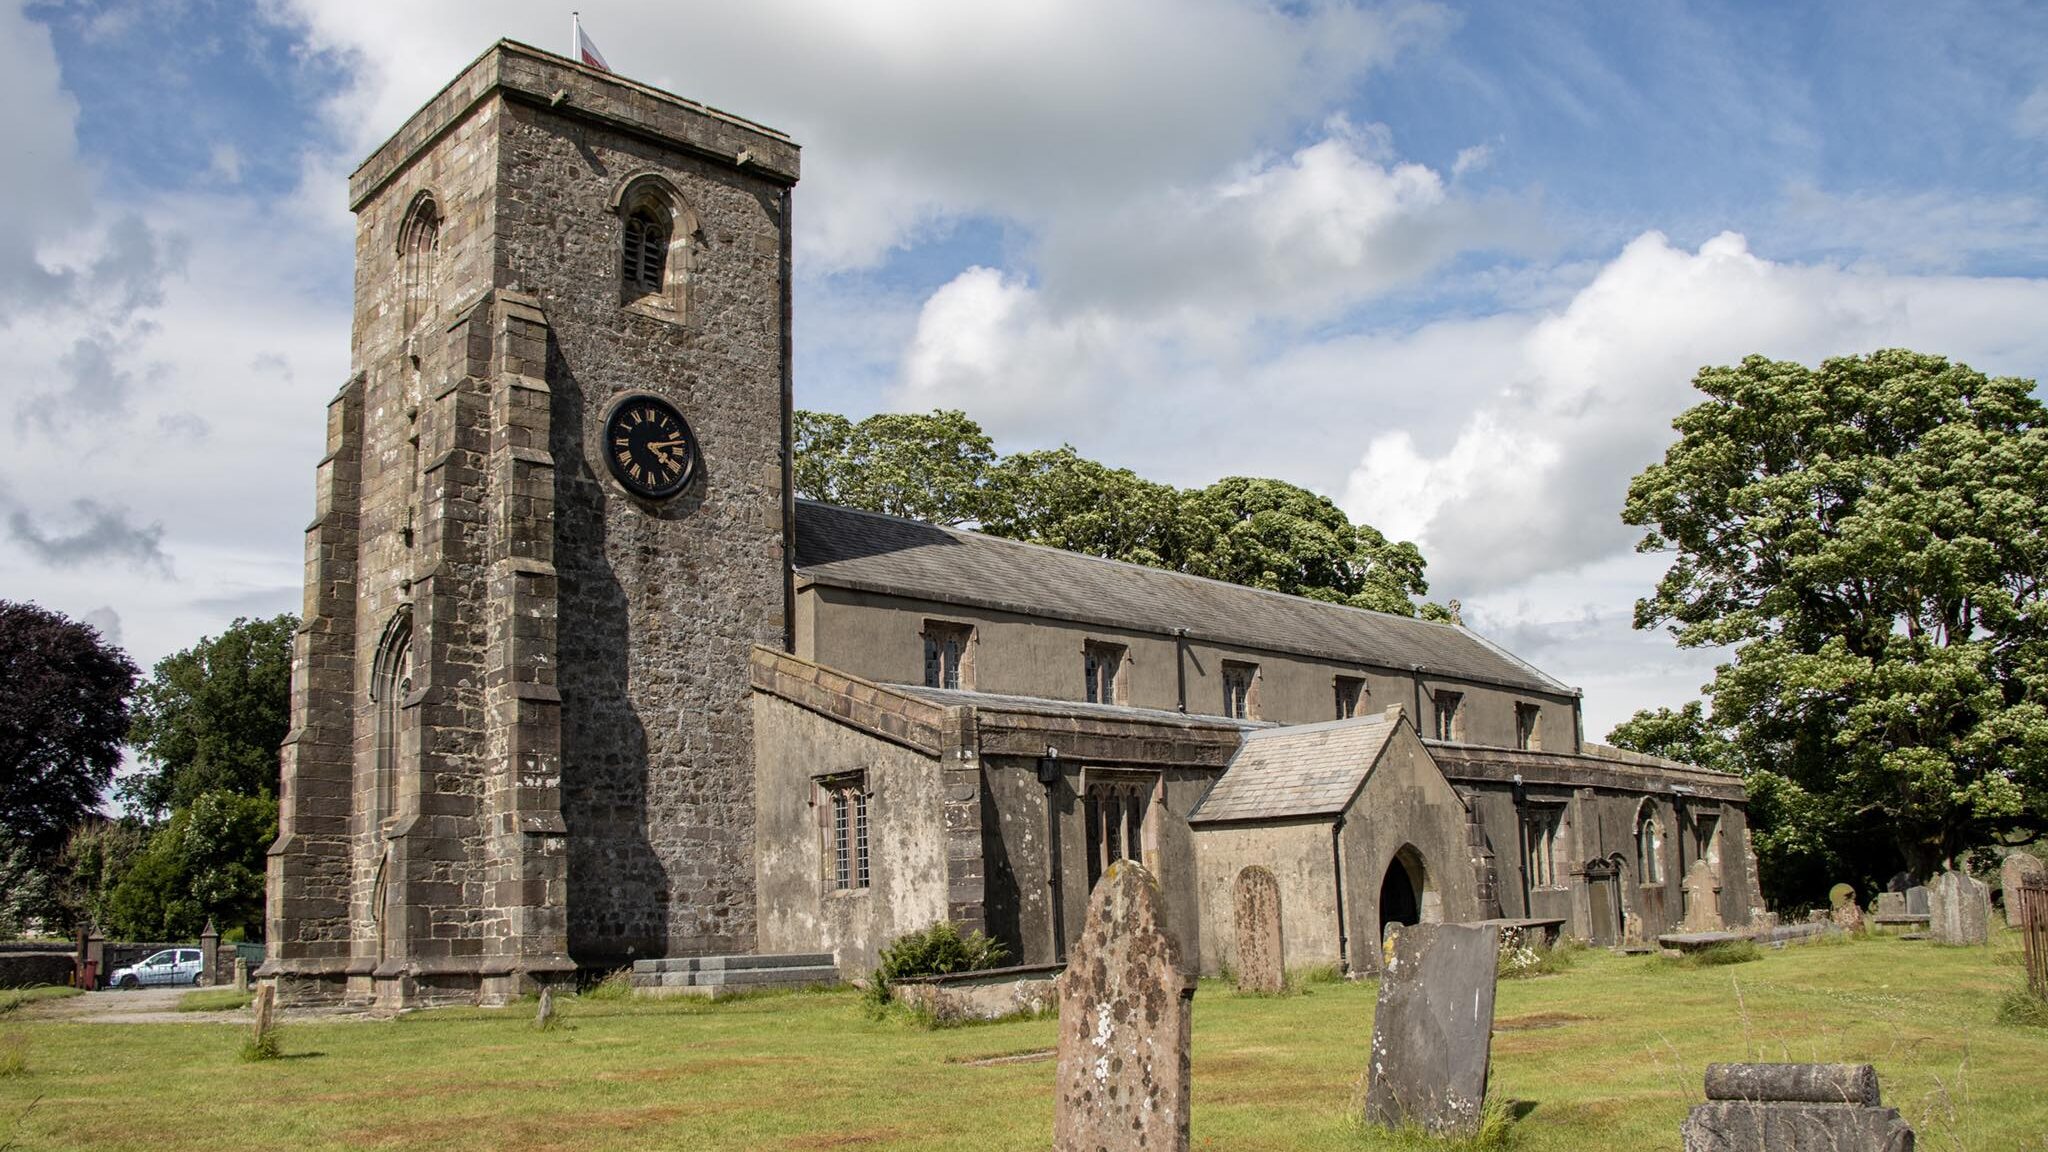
1960,910
1122,1077
1891,905
1432,1033
1261,960
2019,868
1846,913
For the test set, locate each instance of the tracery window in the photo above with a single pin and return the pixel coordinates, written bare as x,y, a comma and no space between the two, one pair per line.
1528,726
1351,696
1103,665
947,655
845,819
390,684
419,258
1448,724
1540,828
1240,690
1649,848
1115,811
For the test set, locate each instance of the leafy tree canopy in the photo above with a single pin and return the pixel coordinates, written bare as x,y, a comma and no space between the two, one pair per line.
62,717
211,717
1869,535
942,468
206,862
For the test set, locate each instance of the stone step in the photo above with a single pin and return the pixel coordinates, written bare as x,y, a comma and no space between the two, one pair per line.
796,976
732,963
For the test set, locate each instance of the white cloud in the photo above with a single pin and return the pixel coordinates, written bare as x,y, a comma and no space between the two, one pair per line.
1534,481
915,111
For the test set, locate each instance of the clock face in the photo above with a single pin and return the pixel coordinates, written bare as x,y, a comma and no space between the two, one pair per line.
649,446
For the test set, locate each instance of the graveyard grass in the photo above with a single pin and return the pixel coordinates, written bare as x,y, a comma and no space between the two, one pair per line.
1608,1054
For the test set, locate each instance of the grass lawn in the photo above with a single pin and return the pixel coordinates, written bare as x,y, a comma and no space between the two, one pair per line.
1609,1054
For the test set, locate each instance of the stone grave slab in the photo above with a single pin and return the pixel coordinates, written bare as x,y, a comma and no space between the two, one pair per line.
1122,1076
1918,898
1432,1033
1261,957
1960,911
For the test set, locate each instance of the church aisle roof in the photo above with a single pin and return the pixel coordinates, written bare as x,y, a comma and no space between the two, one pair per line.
1302,770
866,551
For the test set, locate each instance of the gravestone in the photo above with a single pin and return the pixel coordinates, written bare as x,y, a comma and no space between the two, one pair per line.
1890,905
1121,1080
209,955
1432,1033
2019,868
1261,959
266,1014
1702,898
241,974
1794,1108
544,1016
1960,911
1918,898
1846,913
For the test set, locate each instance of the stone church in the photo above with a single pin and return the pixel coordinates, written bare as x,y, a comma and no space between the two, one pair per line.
581,682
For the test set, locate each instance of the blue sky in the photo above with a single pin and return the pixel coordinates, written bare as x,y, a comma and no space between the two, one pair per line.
1452,265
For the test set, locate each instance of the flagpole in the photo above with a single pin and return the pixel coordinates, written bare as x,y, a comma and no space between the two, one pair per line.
576,36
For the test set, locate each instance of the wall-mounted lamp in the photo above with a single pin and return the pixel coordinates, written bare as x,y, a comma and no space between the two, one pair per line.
1049,765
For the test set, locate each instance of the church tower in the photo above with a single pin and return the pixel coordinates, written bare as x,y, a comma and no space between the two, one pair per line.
552,521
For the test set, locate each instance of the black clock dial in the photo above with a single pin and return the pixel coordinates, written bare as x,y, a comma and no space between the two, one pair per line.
649,446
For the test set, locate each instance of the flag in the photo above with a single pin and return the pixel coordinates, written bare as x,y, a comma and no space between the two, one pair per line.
581,47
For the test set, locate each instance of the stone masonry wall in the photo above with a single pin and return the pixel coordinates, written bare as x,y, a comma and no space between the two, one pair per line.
660,604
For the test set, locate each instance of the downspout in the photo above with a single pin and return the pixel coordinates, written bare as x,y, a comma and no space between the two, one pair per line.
1415,673
1337,866
788,441
1049,775
1180,668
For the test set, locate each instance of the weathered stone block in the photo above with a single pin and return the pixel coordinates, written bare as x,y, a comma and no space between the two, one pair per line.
1960,910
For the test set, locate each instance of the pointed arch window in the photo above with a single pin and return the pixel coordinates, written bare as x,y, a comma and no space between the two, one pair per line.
419,258
658,244
390,684
1649,846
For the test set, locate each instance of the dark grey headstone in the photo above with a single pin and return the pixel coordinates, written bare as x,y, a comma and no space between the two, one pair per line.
1432,1032
1918,900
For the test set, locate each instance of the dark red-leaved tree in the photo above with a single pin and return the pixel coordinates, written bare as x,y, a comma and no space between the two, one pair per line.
63,715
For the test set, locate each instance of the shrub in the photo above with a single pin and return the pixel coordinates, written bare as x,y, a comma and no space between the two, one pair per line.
264,1047
2020,1006
936,951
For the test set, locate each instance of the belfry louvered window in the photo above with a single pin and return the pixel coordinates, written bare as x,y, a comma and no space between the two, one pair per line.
646,254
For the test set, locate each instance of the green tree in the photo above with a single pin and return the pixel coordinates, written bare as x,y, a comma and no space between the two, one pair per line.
1062,499
205,862
941,467
63,713
931,466
1274,535
212,716
1870,536
94,860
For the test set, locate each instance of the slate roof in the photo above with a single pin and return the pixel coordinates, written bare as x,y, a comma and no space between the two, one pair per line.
1300,770
846,548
